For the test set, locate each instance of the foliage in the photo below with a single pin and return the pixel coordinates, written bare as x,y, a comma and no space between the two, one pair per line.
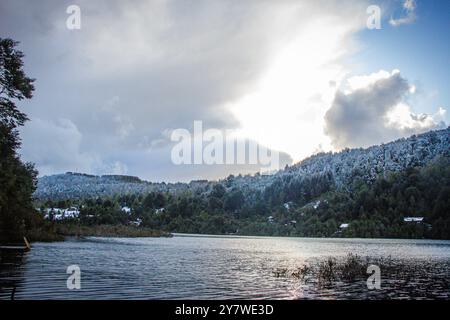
17,179
371,209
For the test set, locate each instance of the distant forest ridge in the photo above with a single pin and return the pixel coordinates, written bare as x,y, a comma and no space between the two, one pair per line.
340,168
395,190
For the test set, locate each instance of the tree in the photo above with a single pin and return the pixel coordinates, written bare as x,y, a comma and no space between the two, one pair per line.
160,200
218,191
17,179
14,84
234,200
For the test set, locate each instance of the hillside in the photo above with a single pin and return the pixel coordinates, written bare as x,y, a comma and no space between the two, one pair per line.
338,168
72,185
398,190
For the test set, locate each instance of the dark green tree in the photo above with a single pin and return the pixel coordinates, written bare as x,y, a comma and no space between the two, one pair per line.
17,179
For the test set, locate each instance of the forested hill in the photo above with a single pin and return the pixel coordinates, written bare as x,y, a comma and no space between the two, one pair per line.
338,169
71,185
399,189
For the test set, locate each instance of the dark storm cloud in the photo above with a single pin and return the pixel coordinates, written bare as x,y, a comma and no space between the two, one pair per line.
133,71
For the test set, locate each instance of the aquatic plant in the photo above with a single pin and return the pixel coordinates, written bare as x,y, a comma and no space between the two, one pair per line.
328,271
352,267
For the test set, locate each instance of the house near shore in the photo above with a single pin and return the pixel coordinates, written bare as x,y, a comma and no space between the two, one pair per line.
61,214
71,212
288,205
136,222
126,209
341,228
413,219
316,204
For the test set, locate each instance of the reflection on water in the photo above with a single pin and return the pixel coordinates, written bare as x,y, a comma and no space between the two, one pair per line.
210,267
10,272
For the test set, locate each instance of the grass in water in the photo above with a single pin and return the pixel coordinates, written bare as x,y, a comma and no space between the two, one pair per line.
326,272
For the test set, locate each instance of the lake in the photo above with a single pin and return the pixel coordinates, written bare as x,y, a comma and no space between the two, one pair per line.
225,267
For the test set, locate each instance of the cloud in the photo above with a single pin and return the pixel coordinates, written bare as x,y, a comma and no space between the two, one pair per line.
58,147
138,70
373,109
108,95
285,110
409,7
55,146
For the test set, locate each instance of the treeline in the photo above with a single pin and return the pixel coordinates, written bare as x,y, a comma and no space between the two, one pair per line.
378,209
297,206
17,179
292,205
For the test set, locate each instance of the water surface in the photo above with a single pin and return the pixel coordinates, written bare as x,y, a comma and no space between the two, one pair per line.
216,267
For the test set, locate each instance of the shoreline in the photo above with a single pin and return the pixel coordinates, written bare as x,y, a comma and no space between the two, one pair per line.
206,235
61,232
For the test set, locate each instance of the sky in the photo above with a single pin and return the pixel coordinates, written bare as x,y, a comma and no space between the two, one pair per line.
296,77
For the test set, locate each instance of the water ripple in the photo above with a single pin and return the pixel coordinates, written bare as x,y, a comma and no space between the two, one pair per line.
200,267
